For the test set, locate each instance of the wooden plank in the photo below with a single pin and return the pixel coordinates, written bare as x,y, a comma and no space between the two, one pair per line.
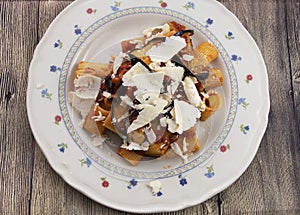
269,184
16,141
293,33
50,194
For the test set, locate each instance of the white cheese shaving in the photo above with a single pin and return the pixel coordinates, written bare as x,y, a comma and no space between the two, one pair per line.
126,101
184,145
192,93
174,72
182,121
138,68
98,118
145,96
178,151
151,136
166,50
138,43
163,122
106,94
118,61
155,186
150,81
172,87
98,140
135,146
162,30
39,86
187,57
148,113
148,86
205,95
82,105
87,86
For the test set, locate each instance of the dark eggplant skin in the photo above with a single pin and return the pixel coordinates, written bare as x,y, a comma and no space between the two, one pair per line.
202,76
187,72
134,60
182,32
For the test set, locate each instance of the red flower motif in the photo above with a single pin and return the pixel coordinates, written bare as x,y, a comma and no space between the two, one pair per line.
105,183
89,11
223,148
57,118
163,4
249,77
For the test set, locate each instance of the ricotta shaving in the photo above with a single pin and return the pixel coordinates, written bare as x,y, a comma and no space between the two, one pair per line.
178,151
155,186
166,50
118,61
148,113
87,86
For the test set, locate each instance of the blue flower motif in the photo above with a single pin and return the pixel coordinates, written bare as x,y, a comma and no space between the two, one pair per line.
241,100
210,171
209,21
209,174
58,44
114,8
159,193
191,5
229,35
62,147
88,162
132,183
183,181
77,30
53,68
234,57
245,128
44,92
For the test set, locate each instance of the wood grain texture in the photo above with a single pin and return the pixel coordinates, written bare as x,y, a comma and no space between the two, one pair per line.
270,181
16,148
270,185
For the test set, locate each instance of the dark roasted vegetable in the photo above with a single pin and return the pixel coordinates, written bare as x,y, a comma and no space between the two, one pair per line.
142,51
134,59
182,32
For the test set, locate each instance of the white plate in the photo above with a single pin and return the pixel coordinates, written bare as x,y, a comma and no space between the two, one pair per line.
91,30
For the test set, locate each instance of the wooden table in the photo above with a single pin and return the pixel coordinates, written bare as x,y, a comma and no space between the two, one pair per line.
271,184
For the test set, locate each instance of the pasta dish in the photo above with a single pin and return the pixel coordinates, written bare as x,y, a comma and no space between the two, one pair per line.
152,94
